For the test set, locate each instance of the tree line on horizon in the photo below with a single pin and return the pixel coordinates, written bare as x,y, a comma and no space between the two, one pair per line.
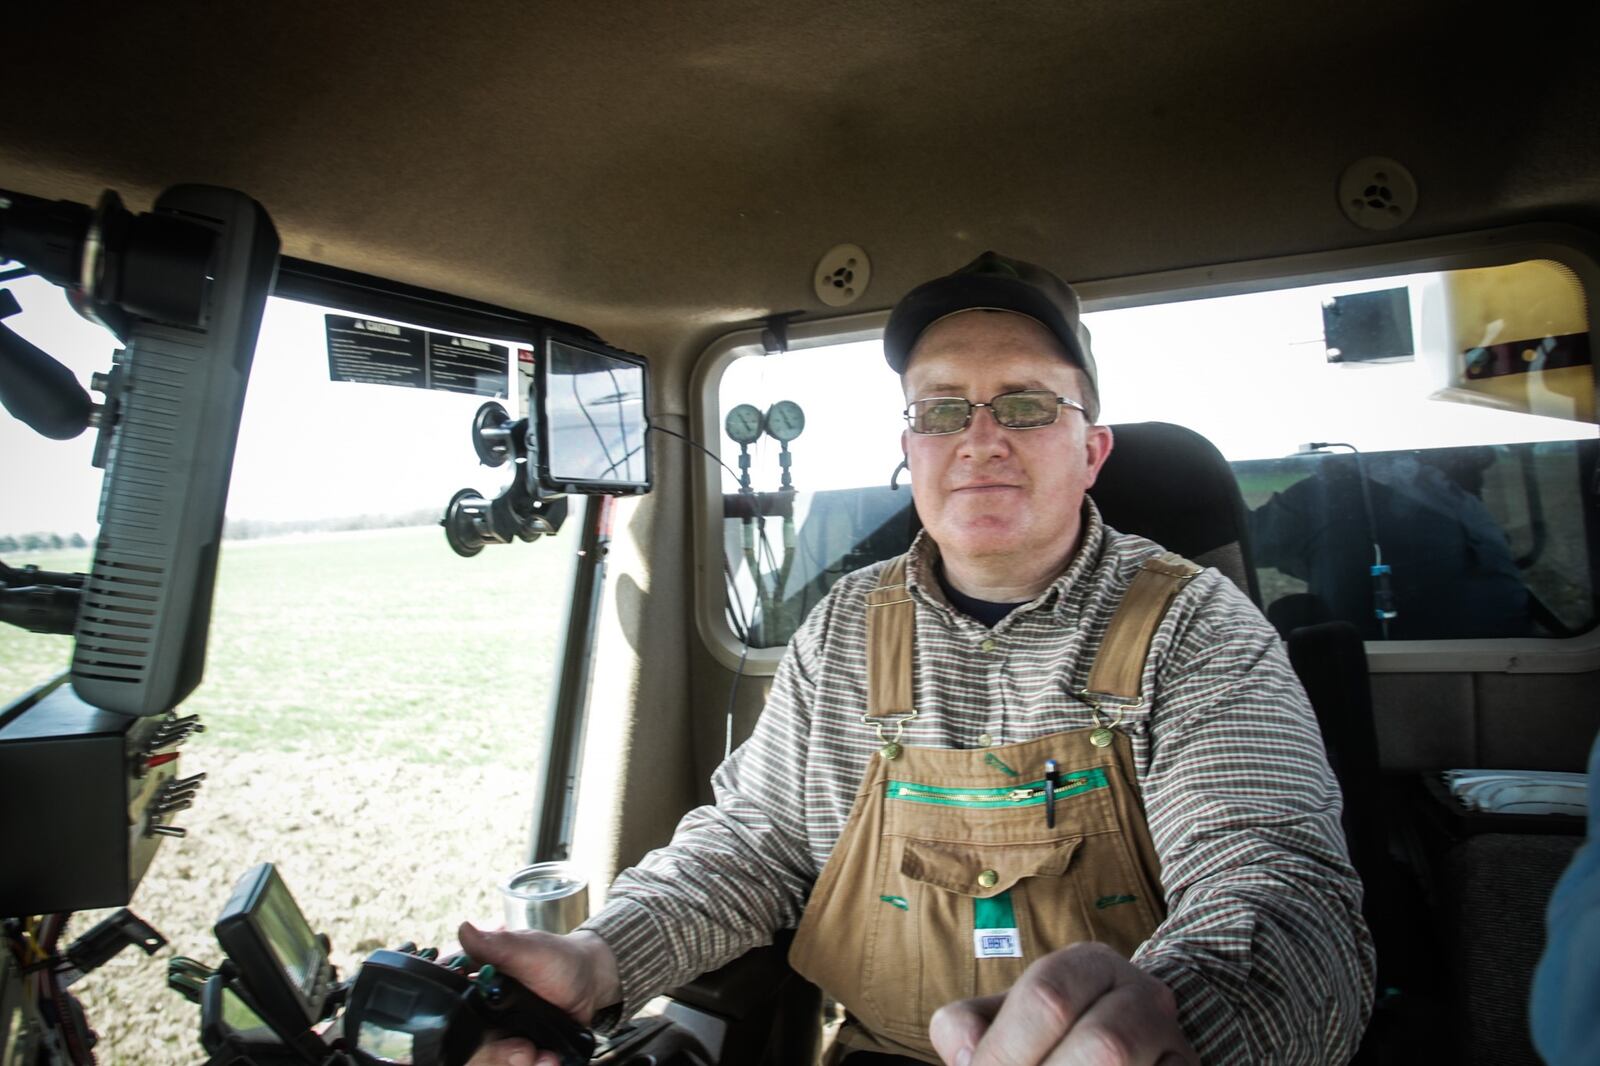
241,529
40,542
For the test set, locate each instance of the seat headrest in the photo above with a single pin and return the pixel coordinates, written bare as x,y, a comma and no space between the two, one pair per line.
1172,485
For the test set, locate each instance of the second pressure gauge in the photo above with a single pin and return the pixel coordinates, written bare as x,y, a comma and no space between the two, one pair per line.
744,423
785,420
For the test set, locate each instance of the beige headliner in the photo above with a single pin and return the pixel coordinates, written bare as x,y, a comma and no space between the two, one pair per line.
664,172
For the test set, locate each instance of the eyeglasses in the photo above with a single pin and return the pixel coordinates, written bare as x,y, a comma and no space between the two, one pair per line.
1030,409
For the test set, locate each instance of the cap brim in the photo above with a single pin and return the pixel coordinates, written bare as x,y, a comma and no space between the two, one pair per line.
939,299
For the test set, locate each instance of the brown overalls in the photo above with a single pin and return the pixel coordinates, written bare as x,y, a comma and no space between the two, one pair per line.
946,882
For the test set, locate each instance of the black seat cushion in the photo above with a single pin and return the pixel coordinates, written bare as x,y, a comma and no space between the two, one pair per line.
1172,485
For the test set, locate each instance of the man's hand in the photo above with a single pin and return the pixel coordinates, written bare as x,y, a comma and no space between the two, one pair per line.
576,973
1083,1004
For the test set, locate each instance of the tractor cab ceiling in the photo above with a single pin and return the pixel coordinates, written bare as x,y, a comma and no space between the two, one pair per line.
662,173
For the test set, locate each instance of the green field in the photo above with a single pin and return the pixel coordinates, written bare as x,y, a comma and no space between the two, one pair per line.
377,641
374,708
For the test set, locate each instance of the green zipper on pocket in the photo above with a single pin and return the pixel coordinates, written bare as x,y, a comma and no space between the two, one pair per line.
1028,795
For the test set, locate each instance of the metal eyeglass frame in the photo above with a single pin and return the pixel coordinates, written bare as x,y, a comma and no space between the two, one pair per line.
1061,401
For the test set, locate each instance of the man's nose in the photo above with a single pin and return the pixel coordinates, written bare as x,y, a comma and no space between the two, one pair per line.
985,438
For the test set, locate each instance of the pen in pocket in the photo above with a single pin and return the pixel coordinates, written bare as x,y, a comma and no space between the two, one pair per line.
1052,781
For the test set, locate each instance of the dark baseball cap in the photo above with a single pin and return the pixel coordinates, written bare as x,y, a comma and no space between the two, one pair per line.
991,282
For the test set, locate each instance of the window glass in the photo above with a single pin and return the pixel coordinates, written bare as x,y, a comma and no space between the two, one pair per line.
1440,425
51,492
373,725
797,528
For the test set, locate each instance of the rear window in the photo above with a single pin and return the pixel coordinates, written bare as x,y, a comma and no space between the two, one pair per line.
1438,424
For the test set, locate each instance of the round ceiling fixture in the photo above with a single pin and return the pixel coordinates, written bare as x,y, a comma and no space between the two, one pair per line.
1377,193
842,275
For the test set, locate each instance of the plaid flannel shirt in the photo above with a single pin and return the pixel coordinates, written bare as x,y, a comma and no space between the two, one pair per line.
1263,945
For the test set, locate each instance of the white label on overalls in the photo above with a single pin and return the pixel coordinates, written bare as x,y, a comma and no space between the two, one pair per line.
996,944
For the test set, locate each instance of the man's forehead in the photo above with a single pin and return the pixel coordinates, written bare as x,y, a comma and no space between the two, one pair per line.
984,335
974,343
978,324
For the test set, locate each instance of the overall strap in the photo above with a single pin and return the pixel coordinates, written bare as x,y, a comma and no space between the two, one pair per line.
891,621
1119,664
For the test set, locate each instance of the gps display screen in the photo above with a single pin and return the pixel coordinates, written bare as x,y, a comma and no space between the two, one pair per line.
594,417
289,937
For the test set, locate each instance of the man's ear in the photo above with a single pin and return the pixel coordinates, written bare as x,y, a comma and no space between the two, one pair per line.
1097,449
905,463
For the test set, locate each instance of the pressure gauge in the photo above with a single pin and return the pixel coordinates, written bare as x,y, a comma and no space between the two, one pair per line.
744,423
785,420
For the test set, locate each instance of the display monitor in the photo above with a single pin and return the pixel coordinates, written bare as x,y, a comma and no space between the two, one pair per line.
592,425
232,1031
281,962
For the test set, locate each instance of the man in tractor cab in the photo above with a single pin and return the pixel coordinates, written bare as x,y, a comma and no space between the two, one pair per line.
1036,787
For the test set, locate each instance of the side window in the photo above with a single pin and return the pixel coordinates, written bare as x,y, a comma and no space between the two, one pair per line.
366,707
1418,452
826,509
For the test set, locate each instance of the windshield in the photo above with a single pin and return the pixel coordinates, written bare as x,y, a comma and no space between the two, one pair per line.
373,720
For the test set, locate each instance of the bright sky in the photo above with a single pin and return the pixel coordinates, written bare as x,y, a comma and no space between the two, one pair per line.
45,485
1249,372
308,447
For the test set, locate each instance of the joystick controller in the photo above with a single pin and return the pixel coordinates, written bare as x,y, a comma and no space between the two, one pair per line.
406,1008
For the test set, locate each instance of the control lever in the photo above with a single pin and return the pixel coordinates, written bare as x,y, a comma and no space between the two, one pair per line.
176,795
188,977
175,731
408,1008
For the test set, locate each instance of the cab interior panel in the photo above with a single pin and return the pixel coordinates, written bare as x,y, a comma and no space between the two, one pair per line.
671,177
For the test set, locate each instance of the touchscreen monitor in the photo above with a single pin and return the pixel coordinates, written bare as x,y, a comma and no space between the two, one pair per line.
592,422
281,963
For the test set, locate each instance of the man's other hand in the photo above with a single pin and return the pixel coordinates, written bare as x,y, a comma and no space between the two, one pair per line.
1083,1004
576,973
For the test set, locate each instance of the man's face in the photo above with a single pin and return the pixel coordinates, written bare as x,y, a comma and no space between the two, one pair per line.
989,494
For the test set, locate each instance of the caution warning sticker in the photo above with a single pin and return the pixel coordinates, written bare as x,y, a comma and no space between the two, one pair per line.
376,353
461,364
371,352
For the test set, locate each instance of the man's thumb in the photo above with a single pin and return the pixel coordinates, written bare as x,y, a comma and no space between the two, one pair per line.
481,946
956,1028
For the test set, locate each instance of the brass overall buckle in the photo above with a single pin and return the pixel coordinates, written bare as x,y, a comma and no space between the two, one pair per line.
891,748
1101,736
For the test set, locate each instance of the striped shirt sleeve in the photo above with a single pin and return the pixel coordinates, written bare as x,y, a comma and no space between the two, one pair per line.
735,872
1264,945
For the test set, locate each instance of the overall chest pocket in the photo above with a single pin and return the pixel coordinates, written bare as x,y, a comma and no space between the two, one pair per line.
955,920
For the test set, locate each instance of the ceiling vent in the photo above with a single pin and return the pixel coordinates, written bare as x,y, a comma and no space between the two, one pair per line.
1377,193
842,275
